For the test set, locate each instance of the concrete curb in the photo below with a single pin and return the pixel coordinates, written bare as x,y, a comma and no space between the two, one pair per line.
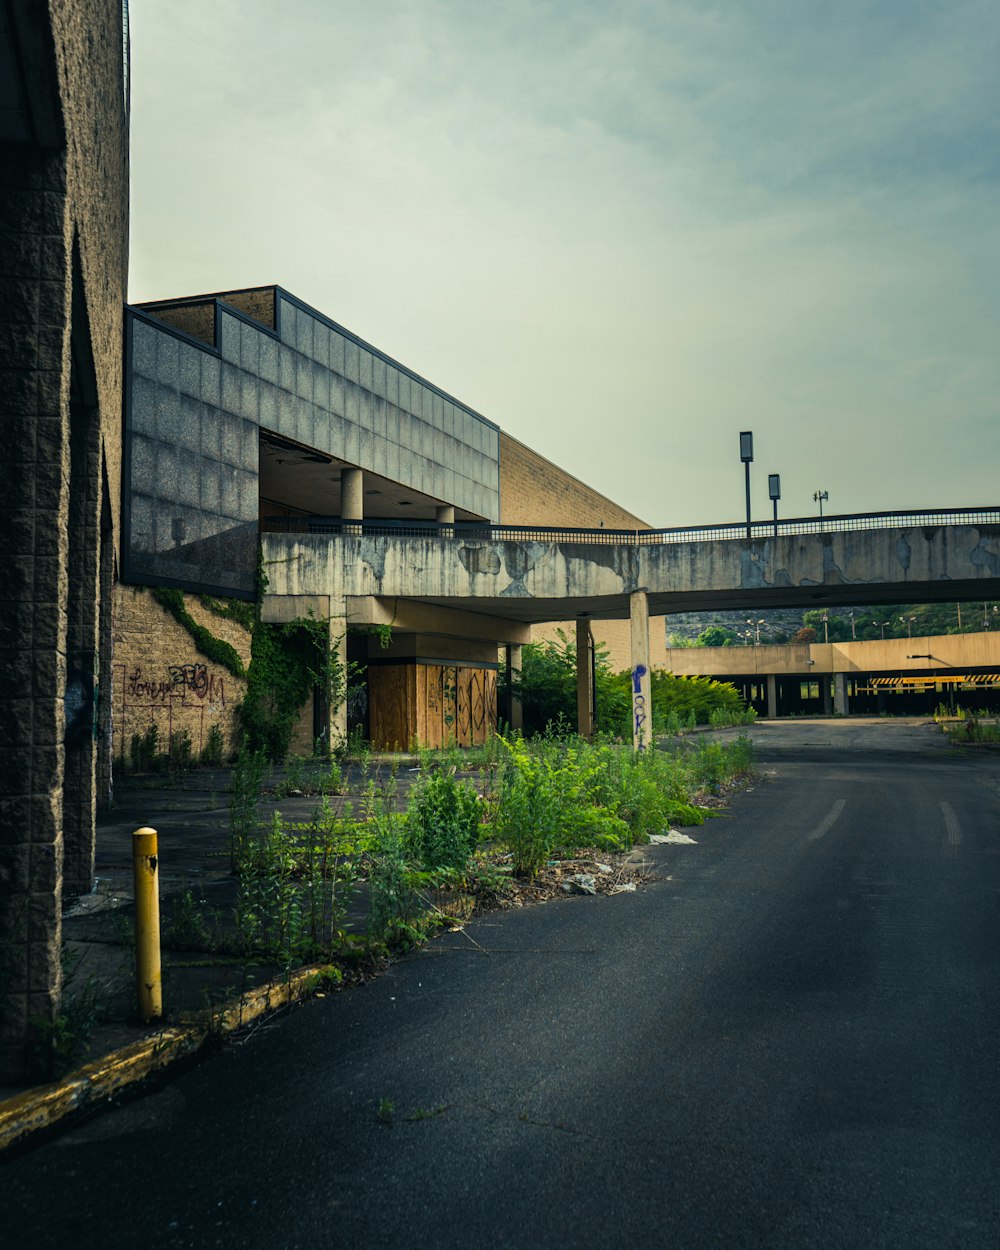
41,1108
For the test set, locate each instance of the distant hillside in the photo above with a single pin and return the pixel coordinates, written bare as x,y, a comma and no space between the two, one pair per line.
780,624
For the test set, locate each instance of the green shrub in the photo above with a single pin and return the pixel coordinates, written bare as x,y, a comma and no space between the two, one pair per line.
213,752
244,802
295,885
145,748
181,751
544,804
443,821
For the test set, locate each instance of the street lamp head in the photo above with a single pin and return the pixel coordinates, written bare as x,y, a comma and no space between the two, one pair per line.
746,446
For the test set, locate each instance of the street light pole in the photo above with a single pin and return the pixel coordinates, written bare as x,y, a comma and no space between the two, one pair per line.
746,455
774,490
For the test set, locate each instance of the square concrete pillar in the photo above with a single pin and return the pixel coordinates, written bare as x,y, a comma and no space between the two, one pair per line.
841,701
642,707
584,678
514,711
337,723
772,696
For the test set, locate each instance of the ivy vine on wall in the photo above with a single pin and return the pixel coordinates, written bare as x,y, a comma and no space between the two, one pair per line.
215,649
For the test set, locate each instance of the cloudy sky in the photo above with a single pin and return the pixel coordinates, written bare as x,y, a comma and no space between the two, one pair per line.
623,231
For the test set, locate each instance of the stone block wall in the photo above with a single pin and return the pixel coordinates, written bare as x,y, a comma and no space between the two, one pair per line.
63,254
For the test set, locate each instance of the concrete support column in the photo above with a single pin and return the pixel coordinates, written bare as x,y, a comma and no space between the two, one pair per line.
337,711
772,696
841,701
444,514
514,714
584,679
642,707
34,574
824,685
352,498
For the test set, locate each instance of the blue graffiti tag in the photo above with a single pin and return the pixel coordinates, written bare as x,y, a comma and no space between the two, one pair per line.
638,701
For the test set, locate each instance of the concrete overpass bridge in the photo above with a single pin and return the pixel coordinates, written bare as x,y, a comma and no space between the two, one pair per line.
498,580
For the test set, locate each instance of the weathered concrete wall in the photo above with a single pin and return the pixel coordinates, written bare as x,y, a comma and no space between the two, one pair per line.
529,580
162,678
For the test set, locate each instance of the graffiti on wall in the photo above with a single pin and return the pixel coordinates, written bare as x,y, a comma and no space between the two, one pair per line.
639,712
181,679
176,696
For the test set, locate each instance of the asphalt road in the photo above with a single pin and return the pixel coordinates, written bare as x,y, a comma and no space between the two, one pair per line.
788,1040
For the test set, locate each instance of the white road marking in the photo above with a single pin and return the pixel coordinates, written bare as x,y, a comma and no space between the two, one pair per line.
826,825
952,828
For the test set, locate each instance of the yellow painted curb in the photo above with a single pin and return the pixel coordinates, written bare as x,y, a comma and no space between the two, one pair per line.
40,1108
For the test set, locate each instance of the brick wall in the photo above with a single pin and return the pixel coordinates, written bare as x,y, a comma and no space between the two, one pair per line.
534,491
160,676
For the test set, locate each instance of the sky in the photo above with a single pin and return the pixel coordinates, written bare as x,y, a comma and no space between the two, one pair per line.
622,231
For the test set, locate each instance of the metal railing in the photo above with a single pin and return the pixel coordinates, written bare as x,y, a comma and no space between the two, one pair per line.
482,531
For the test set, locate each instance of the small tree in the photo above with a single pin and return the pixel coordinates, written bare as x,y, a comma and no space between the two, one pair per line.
716,636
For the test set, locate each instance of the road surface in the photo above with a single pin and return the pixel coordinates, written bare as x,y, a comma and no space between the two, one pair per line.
790,1039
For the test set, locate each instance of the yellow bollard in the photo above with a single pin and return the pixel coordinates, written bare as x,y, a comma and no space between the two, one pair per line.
145,872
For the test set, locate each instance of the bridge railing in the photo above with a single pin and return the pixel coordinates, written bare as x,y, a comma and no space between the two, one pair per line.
484,532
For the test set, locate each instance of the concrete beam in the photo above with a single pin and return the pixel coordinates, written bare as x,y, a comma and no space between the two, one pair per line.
530,580
412,616
280,609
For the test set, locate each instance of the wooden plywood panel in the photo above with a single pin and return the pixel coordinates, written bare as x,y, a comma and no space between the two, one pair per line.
389,705
434,703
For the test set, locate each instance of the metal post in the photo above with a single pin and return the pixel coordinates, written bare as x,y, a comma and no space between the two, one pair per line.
146,879
747,467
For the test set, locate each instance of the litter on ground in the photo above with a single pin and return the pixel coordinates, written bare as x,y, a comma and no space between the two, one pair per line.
673,837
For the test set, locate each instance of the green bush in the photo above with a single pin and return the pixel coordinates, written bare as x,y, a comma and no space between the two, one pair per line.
181,751
546,687
547,690
145,748
213,752
443,821
295,885
544,804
